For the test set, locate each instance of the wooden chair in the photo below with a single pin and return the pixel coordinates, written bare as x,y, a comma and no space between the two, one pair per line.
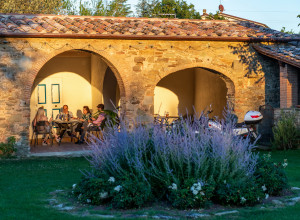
36,132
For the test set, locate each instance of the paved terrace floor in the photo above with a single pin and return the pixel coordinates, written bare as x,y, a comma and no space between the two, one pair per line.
66,148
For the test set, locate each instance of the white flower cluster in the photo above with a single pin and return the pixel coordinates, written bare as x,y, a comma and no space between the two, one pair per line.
74,186
264,188
88,201
267,196
111,179
243,199
173,186
284,163
196,188
118,188
103,195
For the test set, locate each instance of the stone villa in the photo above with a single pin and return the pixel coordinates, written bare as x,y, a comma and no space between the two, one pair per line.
146,66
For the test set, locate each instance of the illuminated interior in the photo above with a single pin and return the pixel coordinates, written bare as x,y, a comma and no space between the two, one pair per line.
190,90
75,78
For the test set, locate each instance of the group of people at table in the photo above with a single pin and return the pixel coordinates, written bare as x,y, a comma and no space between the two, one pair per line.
88,122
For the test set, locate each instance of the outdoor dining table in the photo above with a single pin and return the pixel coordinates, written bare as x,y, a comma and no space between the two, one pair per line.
70,125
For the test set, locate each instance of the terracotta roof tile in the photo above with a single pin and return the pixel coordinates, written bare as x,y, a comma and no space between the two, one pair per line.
102,27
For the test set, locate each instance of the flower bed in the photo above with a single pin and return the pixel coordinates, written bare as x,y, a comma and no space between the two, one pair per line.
189,166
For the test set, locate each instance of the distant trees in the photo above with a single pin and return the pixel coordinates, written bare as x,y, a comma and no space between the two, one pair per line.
167,8
33,6
116,8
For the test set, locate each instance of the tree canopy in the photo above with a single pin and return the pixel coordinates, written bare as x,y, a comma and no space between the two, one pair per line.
167,8
33,6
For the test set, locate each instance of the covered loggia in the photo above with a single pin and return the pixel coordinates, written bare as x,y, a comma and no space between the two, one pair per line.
75,78
184,91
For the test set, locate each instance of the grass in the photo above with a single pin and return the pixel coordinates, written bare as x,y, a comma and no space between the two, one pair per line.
25,187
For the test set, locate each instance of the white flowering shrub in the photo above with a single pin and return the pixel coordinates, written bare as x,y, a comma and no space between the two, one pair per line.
271,176
191,194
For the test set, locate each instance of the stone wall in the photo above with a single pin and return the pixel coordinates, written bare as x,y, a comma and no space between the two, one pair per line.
138,66
295,111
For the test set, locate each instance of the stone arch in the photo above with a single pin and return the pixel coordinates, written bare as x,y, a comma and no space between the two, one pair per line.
32,73
223,73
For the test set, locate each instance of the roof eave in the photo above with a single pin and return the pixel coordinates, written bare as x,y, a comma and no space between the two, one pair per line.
266,52
147,37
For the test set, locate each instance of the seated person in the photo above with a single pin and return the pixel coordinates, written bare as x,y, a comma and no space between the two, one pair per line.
85,120
100,109
42,127
64,115
95,123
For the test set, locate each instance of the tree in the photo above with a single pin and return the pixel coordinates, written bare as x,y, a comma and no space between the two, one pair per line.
298,17
118,8
167,8
34,6
145,8
92,8
283,30
216,16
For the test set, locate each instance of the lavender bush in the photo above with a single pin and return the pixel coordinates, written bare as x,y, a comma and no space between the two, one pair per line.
188,165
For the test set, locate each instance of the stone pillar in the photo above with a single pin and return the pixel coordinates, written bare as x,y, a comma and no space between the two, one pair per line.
288,86
98,69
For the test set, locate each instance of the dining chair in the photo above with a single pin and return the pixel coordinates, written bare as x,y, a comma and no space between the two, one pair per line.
36,132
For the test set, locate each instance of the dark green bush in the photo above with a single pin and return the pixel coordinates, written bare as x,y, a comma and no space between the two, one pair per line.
286,133
238,193
94,190
8,148
191,194
132,194
271,176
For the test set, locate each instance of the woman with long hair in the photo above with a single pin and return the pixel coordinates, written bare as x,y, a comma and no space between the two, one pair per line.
85,120
41,123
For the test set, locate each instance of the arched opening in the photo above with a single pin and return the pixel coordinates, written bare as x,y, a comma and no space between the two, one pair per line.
76,78
193,89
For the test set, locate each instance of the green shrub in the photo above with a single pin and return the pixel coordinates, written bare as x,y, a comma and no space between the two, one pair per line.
94,190
239,193
286,133
8,149
271,176
132,193
191,194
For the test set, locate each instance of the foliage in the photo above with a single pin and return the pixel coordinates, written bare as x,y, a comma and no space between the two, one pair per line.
149,160
111,119
96,190
118,8
34,6
92,8
271,176
216,16
101,190
133,193
188,165
238,192
8,149
286,133
283,30
192,194
167,8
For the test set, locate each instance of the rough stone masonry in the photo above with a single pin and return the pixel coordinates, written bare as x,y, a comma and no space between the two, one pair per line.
251,80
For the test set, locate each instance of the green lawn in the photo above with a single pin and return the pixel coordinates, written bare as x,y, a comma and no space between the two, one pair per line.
25,186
